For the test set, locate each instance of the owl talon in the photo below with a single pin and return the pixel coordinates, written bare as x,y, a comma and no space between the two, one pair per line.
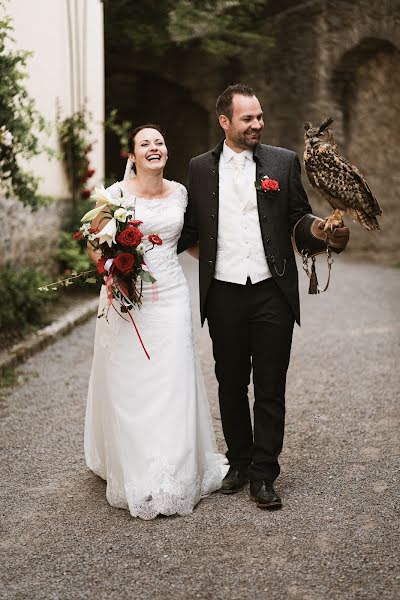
333,221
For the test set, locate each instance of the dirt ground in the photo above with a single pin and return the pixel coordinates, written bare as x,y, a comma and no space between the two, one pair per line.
337,536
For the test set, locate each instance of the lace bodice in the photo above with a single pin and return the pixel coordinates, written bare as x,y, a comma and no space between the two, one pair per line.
161,216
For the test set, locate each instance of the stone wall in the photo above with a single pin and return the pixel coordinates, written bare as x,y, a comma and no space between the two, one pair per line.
30,238
342,59
334,58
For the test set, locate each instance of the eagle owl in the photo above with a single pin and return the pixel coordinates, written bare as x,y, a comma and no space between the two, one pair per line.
338,181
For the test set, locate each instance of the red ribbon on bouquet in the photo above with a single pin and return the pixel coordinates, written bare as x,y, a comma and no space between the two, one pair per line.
109,281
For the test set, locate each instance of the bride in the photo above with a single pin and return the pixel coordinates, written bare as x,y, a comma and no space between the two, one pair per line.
148,429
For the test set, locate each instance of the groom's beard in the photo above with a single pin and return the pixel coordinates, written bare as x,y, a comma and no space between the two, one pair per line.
247,140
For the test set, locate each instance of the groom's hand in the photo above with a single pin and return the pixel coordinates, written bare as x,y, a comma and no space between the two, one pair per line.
336,239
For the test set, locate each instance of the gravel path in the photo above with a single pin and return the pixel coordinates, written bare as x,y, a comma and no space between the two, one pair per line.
336,536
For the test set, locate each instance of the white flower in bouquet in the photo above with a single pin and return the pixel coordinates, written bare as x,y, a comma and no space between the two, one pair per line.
121,215
85,229
108,233
103,199
102,195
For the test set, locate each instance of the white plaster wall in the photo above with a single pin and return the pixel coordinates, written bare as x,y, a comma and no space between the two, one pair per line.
42,27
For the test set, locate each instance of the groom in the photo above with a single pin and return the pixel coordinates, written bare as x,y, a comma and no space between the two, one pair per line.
248,281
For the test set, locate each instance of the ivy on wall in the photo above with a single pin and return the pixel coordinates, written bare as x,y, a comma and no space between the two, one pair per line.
74,133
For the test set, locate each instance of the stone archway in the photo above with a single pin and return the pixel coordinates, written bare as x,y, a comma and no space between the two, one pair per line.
366,85
146,97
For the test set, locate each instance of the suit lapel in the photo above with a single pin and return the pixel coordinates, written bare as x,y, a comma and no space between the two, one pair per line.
264,168
213,177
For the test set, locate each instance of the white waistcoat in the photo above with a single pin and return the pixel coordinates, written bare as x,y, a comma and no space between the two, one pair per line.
240,250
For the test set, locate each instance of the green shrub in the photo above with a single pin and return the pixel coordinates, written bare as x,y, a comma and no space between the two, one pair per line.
71,254
21,301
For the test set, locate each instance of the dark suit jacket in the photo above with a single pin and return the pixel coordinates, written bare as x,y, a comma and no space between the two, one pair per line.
278,213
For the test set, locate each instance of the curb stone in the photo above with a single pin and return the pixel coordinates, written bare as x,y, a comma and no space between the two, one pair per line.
49,334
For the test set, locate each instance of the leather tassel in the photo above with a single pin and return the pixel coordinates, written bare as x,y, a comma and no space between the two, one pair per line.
313,289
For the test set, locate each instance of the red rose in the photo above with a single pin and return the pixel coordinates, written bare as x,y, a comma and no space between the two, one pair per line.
130,237
85,194
124,263
77,235
135,223
100,266
90,173
270,185
154,239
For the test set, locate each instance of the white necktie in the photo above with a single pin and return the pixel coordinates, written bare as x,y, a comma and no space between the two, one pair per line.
238,175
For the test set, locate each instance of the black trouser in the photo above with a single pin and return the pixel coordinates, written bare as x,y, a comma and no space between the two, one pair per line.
251,326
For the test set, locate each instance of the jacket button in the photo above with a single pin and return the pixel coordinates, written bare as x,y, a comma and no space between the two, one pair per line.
210,262
211,238
213,216
268,240
213,193
212,172
264,218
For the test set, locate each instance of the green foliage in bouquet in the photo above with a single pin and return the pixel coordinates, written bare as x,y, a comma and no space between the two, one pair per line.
21,301
20,122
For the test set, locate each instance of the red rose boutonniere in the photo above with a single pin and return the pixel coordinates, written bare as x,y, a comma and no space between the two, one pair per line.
266,184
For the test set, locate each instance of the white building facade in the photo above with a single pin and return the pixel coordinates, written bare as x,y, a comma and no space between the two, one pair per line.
67,68
65,73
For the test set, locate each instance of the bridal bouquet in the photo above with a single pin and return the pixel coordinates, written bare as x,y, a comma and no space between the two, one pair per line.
122,264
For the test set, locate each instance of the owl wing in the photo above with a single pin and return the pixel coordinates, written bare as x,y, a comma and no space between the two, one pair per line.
338,178
373,205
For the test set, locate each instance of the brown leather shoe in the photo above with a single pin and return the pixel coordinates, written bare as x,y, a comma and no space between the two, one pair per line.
264,495
234,480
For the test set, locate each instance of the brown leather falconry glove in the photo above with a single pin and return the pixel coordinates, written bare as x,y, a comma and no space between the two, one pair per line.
310,238
336,239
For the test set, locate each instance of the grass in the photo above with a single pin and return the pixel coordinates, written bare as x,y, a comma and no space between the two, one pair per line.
9,377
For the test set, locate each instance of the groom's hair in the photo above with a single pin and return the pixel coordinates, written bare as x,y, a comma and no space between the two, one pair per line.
224,101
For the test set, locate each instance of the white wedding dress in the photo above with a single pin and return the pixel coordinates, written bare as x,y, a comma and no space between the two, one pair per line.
148,429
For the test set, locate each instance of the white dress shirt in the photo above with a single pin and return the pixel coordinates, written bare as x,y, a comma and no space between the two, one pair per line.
240,250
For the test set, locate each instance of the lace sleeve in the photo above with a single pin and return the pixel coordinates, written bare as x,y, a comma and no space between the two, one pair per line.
184,194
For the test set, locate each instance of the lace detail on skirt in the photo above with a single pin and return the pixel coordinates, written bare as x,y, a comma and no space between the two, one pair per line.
172,491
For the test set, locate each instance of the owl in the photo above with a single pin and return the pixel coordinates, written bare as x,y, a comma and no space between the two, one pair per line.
337,180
